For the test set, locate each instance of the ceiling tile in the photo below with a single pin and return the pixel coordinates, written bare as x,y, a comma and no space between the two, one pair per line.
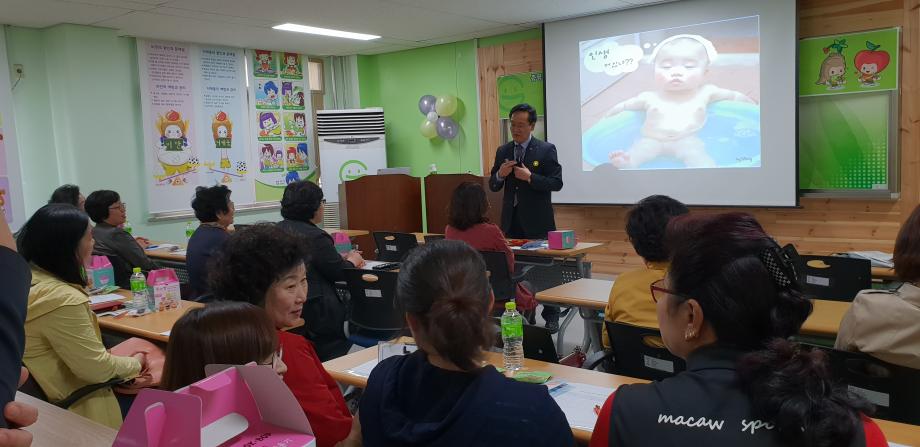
44,13
517,11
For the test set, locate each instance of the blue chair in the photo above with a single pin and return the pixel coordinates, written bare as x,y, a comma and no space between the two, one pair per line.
731,136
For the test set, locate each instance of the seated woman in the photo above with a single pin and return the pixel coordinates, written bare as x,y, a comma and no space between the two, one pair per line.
214,210
64,350
222,333
882,323
109,212
69,194
441,394
467,222
630,298
264,265
728,304
302,208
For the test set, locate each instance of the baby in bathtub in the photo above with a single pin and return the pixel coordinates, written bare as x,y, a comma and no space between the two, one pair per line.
676,110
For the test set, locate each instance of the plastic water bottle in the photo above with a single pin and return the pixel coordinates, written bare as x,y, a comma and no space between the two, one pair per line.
139,291
189,231
513,337
127,227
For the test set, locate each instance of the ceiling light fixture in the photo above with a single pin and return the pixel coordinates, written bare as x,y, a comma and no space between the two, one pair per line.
324,31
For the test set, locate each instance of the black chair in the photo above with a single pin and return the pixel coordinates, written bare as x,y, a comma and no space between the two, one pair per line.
393,247
639,352
32,388
372,307
429,238
835,278
891,388
538,342
503,282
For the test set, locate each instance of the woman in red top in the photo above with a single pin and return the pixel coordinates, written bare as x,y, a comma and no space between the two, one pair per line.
728,305
467,222
264,265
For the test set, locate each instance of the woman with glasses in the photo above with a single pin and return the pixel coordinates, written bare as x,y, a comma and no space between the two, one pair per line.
728,305
109,213
224,333
264,265
302,208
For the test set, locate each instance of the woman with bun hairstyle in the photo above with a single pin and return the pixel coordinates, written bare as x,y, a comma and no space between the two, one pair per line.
728,305
442,394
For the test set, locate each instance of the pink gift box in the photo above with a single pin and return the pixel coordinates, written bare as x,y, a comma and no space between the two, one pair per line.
561,239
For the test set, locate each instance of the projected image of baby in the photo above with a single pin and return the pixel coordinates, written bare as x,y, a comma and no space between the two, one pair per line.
676,110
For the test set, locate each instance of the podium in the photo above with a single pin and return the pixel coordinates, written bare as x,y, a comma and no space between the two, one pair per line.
439,188
381,203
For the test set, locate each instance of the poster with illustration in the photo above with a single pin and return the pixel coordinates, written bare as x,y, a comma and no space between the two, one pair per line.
849,63
271,157
292,95
222,145
267,96
295,124
298,156
520,88
264,64
11,197
686,97
5,198
291,66
269,126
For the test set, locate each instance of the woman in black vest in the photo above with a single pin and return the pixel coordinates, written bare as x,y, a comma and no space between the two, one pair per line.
727,306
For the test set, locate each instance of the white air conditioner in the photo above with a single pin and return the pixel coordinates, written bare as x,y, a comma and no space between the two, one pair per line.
352,144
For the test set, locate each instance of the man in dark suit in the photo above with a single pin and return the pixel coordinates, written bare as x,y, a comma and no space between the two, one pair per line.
529,171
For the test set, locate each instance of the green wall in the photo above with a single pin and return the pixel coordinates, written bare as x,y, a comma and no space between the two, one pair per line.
396,81
78,119
501,39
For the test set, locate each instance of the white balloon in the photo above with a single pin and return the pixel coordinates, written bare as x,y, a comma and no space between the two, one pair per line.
432,116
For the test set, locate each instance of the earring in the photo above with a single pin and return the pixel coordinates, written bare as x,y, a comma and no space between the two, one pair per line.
690,333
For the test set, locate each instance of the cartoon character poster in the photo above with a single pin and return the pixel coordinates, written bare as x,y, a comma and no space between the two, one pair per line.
271,158
291,66
297,156
295,124
849,63
264,64
269,126
267,96
292,96
173,149
5,201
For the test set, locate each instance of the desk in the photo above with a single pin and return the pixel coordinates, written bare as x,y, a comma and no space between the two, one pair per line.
592,294
149,326
589,296
59,427
338,369
350,233
177,255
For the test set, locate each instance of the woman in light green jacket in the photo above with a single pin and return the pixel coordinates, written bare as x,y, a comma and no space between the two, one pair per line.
64,350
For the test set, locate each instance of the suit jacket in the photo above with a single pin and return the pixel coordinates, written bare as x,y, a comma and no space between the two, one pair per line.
325,311
535,207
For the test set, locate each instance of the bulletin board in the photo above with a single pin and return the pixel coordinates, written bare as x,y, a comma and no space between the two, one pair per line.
848,114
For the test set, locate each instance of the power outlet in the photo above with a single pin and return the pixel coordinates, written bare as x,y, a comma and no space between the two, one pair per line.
18,70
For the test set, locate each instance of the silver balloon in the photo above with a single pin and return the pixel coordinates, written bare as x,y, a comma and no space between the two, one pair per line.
426,104
433,116
447,128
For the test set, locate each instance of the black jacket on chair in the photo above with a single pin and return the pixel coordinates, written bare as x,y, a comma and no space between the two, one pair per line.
324,313
535,207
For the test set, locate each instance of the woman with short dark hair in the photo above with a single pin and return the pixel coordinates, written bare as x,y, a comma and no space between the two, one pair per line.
886,323
442,394
110,213
215,211
264,265
64,350
467,221
728,305
69,194
302,208
221,333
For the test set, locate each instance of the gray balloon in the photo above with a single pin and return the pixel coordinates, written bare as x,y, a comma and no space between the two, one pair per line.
426,104
447,128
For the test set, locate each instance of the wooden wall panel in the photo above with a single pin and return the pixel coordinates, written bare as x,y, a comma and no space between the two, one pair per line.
819,226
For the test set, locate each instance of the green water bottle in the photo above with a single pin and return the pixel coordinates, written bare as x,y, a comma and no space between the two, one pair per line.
189,231
127,227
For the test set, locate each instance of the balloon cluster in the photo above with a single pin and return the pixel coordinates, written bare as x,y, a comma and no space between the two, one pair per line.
437,111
